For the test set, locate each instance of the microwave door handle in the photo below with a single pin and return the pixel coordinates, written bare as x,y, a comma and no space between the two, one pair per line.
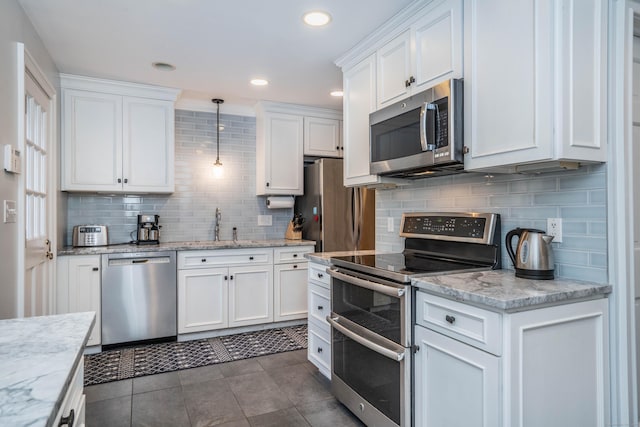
424,139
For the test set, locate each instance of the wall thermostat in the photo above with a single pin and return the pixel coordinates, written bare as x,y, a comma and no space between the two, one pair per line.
12,161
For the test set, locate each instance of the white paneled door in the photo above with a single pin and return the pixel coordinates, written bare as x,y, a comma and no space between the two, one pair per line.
38,293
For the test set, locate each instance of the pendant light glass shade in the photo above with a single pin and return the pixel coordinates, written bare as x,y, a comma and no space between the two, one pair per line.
218,171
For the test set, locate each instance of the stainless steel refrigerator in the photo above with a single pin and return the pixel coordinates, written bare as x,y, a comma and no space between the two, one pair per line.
338,218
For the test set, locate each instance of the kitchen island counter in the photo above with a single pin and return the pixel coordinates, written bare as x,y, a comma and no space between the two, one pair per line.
38,358
184,246
501,290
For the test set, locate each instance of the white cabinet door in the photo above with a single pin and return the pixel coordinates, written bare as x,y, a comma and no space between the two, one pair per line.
558,369
250,295
290,291
394,70
456,385
279,154
581,98
322,137
508,89
438,45
202,299
91,141
148,145
84,290
359,100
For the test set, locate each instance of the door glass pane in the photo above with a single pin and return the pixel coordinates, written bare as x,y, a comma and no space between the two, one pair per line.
374,377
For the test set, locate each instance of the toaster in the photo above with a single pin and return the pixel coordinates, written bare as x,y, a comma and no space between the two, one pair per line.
90,235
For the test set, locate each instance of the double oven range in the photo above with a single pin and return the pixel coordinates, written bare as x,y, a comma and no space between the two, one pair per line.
372,308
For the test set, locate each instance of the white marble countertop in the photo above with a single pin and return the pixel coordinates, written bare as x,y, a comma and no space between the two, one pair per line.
184,246
38,356
501,289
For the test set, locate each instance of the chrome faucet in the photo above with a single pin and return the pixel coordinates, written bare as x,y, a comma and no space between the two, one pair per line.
216,236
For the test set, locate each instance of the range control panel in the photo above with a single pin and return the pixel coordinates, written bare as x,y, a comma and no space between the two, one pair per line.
464,227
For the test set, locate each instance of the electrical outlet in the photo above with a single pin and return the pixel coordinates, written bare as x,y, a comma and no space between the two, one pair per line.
554,228
265,220
390,224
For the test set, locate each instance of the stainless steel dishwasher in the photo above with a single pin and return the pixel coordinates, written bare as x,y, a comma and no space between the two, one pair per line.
139,295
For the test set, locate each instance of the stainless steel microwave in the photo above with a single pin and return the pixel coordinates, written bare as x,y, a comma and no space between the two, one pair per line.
420,136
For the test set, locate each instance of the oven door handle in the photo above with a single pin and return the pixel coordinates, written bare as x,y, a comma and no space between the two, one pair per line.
377,287
391,354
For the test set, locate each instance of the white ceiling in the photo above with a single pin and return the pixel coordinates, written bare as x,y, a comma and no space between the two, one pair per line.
217,46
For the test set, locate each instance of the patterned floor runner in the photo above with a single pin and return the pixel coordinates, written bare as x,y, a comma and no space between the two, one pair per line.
114,365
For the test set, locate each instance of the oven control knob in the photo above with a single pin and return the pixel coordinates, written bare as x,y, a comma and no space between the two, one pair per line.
361,407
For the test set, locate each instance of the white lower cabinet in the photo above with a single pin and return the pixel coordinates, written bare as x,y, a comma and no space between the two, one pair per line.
456,385
319,330
78,289
549,367
290,283
202,300
250,295
72,410
224,288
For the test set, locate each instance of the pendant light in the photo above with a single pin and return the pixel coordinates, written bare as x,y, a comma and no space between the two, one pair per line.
217,166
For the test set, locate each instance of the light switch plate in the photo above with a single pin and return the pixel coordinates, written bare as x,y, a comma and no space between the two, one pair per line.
265,220
10,213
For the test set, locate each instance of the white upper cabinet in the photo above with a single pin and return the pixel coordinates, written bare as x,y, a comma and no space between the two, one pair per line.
534,86
285,134
427,53
279,158
116,136
322,137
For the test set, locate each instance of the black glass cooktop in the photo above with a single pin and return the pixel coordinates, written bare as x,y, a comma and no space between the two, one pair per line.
402,267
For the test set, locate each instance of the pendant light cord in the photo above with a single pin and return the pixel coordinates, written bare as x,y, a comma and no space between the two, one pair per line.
218,102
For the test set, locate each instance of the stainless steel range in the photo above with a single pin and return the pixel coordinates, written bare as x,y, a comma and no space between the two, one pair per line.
371,308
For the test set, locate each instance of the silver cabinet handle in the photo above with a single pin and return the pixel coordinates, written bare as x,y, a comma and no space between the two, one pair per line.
396,355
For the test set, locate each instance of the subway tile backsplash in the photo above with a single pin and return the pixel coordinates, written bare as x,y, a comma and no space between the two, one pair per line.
189,213
578,197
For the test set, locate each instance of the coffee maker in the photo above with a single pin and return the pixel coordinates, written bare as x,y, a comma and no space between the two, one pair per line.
148,230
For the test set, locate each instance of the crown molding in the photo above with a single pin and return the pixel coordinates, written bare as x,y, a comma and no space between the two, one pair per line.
115,87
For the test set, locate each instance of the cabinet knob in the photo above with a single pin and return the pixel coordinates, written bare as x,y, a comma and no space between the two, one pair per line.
295,265
450,319
95,269
411,80
231,277
119,181
126,180
338,147
250,258
203,260
226,277
68,421
267,184
320,275
320,308
295,255
319,349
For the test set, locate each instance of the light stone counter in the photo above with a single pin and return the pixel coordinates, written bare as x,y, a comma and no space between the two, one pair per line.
38,356
502,290
184,246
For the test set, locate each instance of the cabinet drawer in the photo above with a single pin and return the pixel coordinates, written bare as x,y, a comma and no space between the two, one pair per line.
319,351
74,399
319,303
472,325
291,254
223,258
318,273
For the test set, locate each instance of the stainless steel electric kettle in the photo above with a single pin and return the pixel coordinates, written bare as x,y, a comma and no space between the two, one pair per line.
533,258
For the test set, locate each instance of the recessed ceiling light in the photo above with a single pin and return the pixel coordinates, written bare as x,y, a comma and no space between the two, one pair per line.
316,18
163,66
337,93
259,82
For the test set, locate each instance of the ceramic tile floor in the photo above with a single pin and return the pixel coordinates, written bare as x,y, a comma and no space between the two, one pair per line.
277,390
